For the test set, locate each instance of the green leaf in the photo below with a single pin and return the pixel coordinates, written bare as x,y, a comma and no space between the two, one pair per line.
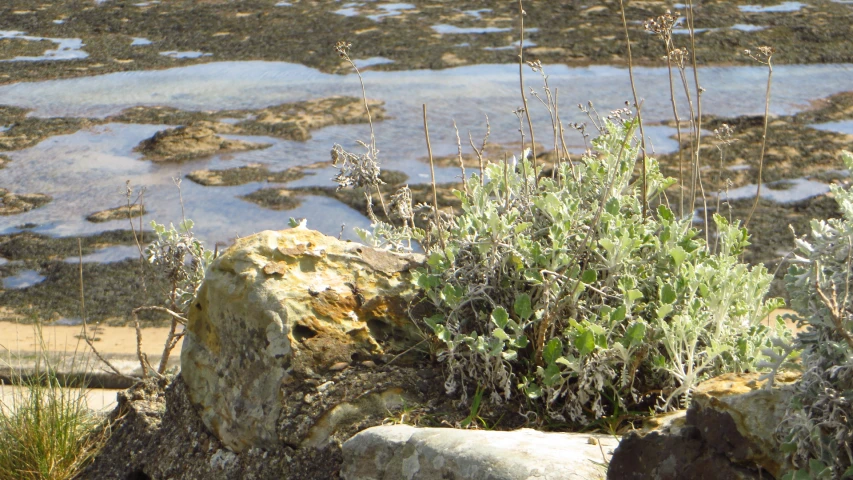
552,350
636,333
500,317
678,255
619,314
533,391
665,213
667,294
521,341
589,276
634,295
436,260
612,206
585,342
522,306
816,466
522,227
551,374
499,333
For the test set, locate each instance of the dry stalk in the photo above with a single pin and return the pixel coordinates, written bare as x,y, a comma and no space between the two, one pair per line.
482,148
521,14
835,311
461,162
83,317
765,56
432,174
636,104
343,50
171,339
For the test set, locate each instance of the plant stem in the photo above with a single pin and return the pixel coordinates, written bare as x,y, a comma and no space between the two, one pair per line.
524,97
432,174
636,104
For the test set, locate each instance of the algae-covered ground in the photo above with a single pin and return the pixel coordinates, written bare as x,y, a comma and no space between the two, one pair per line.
83,37
122,35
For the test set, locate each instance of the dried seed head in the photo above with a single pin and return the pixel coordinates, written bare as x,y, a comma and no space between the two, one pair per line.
401,204
343,48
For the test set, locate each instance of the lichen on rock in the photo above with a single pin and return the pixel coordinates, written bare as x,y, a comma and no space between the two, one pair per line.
288,305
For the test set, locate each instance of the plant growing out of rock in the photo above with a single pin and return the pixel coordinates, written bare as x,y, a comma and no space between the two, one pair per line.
566,295
818,429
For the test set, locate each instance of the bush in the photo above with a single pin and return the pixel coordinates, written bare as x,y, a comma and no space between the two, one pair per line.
567,292
818,428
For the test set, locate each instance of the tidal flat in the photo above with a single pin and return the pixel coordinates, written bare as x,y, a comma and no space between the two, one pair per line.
83,83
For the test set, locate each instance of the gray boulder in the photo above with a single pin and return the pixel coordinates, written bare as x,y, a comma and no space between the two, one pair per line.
403,452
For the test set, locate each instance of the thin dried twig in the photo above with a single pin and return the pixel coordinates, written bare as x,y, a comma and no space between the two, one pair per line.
432,173
461,161
835,311
636,104
85,326
521,14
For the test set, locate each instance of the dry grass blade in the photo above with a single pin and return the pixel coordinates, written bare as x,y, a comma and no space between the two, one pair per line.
637,105
432,174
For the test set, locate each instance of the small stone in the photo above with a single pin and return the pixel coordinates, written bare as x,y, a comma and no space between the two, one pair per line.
369,364
338,366
322,388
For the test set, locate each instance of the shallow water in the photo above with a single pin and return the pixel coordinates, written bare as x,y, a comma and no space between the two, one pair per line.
101,159
782,7
842,126
23,279
115,253
783,191
66,48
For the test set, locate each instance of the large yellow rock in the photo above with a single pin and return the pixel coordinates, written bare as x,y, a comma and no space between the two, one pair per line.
279,305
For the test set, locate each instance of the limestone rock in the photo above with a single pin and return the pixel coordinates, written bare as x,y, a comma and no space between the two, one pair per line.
117,213
280,306
15,203
405,452
727,433
157,434
738,417
191,141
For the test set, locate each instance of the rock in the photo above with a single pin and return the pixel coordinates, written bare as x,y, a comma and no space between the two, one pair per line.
281,308
191,141
119,213
738,417
15,203
405,452
726,433
246,174
157,434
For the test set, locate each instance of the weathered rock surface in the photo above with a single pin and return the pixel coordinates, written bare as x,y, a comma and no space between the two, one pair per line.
281,308
191,141
118,213
157,434
15,203
727,433
404,452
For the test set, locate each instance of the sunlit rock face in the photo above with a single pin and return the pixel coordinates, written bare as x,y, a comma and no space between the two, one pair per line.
283,305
